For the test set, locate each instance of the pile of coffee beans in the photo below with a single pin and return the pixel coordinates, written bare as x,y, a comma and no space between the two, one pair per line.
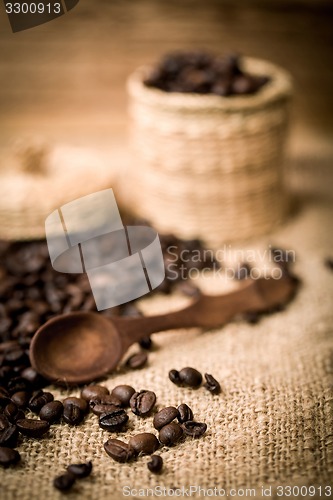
190,377
171,423
65,481
204,73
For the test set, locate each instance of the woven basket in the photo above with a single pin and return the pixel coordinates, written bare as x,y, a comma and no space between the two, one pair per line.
210,166
33,185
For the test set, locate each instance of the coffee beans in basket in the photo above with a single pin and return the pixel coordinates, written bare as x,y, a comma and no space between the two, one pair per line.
204,73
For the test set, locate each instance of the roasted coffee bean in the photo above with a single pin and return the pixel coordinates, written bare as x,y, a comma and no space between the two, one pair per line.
212,385
15,357
32,428
190,377
106,400
101,409
13,413
80,470
21,398
64,482
251,317
123,393
136,361
8,437
329,263
243,271
51,412
17,384
4,397
72,414
194,429
170,434
79,402
39,399
93,392
113,421
156,463
165,416
146,343
174,377
118,450
142,402
31,376
4,422
184,413
8,457
145,443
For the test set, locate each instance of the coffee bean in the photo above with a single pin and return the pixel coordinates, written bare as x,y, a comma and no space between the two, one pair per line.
329,263
64,482
194,429
80,470
156,463
123,393
8,437
51,412
146,343
13,413
212,385
243,271
145,443
32,428
136,361
101,409
106,400
21,398
4,422
79,402
174,377
4,397
93,391
17,384
72,414
118,450
170,434
8,457
165,416
31,376
184,413
39,399
190,377
113,421
142,402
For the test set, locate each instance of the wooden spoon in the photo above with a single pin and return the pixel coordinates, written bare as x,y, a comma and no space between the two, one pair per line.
80,347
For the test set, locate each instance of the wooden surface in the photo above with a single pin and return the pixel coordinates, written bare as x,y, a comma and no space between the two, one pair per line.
65,80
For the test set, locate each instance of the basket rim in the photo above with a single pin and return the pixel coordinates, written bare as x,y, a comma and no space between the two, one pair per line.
279,88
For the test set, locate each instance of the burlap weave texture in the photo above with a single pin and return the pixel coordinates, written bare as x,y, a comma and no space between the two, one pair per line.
272,424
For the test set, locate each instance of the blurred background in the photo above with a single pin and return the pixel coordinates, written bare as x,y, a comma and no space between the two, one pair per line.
65,80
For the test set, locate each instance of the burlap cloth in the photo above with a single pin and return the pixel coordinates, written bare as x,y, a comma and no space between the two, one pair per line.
272,424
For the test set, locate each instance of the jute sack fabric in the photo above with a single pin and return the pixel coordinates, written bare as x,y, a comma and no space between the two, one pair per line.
208,166
271,426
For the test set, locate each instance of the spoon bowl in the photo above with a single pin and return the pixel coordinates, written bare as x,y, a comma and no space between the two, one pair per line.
76,348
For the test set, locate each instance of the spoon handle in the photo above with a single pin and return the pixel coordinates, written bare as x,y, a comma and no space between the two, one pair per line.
208,312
